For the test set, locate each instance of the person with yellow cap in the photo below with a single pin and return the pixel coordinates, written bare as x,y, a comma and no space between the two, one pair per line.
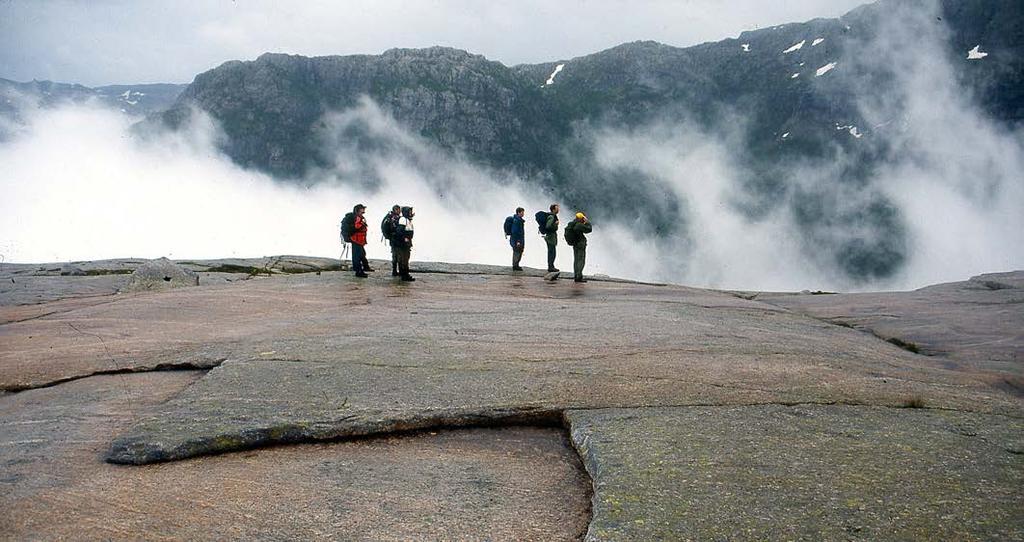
576,236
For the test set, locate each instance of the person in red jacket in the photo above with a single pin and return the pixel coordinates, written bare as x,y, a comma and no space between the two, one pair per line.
359,263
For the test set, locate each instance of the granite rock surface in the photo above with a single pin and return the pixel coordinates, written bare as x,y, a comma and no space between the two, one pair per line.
695,414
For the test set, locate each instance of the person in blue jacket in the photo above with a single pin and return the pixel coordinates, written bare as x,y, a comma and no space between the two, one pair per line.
517,237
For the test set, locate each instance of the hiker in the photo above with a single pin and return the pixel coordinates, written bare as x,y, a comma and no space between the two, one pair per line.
358,239
401,241
387,230
549,229
576,236
515,230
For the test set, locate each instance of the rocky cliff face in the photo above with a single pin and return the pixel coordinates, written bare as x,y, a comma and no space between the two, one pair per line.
782,97
272,108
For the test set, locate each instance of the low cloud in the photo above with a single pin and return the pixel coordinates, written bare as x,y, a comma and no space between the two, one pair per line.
954,172
941,200
80,186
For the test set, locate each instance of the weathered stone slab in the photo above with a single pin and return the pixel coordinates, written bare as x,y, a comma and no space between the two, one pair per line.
268,265
497,484
976,321
348,358
17,291
802,473
321,356
465,347
27,284
45,433
241,405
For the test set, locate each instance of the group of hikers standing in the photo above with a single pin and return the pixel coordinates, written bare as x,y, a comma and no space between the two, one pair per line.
397,228
547,223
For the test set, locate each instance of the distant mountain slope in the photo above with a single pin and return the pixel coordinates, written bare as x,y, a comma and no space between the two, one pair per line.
132,99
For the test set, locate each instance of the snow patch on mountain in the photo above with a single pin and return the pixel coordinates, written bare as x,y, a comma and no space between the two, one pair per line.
795,47
854,131
824,69
127,96
551,78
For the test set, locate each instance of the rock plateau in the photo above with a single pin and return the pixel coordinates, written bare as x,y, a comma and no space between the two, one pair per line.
282,398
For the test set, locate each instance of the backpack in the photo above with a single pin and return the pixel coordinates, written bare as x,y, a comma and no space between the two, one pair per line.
542,221
508,226
348,227
387,226
571,236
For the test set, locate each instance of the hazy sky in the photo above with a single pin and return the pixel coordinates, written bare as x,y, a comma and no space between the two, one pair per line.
98,42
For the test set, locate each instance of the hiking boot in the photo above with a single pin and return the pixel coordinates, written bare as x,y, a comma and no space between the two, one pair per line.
517,268
579,280
370,270
362,275
553,270
408,278
395,273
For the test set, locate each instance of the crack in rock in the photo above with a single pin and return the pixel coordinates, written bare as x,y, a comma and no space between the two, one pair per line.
171,366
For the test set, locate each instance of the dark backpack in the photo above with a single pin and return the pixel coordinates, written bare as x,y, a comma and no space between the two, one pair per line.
542,221
348,227
387,226
571,235
508,226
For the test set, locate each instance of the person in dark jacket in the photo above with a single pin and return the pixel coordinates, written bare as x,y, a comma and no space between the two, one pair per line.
402,242
580,228
551,237
517,238
392,220
359,263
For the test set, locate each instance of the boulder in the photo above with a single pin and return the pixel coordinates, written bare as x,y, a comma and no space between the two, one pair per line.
161,274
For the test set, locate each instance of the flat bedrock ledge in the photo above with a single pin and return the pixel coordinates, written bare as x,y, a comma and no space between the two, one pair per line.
802,473
144,448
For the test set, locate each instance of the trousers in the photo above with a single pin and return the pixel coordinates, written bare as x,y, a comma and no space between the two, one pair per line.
579,259
403,254
358,258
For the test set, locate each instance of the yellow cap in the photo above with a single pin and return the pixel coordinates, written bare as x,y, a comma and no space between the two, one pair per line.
580,215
